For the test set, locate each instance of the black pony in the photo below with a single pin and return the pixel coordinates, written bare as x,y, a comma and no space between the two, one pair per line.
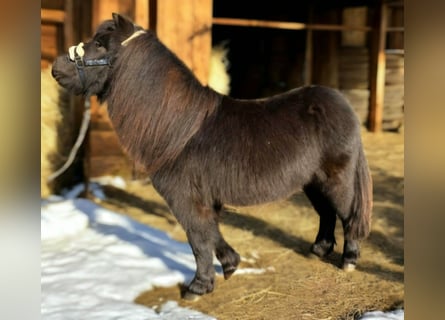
203,150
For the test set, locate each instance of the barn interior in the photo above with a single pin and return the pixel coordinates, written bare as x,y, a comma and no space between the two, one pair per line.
354,46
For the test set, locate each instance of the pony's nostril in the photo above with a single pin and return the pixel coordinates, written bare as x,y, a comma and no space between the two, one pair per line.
53,72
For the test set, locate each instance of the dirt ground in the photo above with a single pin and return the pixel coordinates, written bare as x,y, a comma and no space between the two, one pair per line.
277,237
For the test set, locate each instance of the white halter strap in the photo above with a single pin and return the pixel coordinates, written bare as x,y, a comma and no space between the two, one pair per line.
134,35
81,52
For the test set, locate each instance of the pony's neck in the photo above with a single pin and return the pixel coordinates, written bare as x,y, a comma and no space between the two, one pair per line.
156,104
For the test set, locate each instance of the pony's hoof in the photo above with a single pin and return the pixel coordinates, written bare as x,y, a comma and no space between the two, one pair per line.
322,248
313,256
228,272
348,267
190,296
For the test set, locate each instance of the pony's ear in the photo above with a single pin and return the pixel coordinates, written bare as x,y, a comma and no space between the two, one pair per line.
122,23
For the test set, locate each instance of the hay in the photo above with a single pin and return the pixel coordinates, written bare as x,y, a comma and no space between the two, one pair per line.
56,127
219,79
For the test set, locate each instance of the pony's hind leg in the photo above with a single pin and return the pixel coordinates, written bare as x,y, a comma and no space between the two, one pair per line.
325,240
351,253
338,196
334,200
353,198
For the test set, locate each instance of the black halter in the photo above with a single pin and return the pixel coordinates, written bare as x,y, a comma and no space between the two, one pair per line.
81,63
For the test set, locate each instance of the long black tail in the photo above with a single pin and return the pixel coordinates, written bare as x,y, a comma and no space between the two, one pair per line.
359,223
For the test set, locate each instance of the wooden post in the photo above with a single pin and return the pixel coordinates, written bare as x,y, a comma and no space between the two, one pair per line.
68,32
308,56
185,28
102,10
377,68
141,13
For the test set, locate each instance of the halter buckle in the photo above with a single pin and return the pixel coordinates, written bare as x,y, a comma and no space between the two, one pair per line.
78,60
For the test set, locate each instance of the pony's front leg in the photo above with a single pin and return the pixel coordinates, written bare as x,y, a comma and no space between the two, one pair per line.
205,238
201,227
200,239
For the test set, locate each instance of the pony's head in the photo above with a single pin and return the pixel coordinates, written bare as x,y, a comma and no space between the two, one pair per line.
87,67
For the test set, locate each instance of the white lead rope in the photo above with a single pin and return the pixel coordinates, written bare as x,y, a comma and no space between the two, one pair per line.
80,138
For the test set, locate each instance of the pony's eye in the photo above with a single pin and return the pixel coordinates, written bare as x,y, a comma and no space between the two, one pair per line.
97,44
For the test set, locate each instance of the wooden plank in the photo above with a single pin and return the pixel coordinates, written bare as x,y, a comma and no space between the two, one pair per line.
48,41
354,17
359,99
396,29
325,66
394,76
52,16
354,68
285,25
377,69
396,38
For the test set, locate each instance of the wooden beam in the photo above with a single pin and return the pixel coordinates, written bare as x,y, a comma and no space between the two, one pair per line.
377,68
259,23
52,16
395,29
286,25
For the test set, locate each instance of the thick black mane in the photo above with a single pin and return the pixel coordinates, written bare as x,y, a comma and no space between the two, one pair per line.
155,102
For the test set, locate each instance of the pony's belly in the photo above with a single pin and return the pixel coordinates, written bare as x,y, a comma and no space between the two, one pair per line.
248,196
